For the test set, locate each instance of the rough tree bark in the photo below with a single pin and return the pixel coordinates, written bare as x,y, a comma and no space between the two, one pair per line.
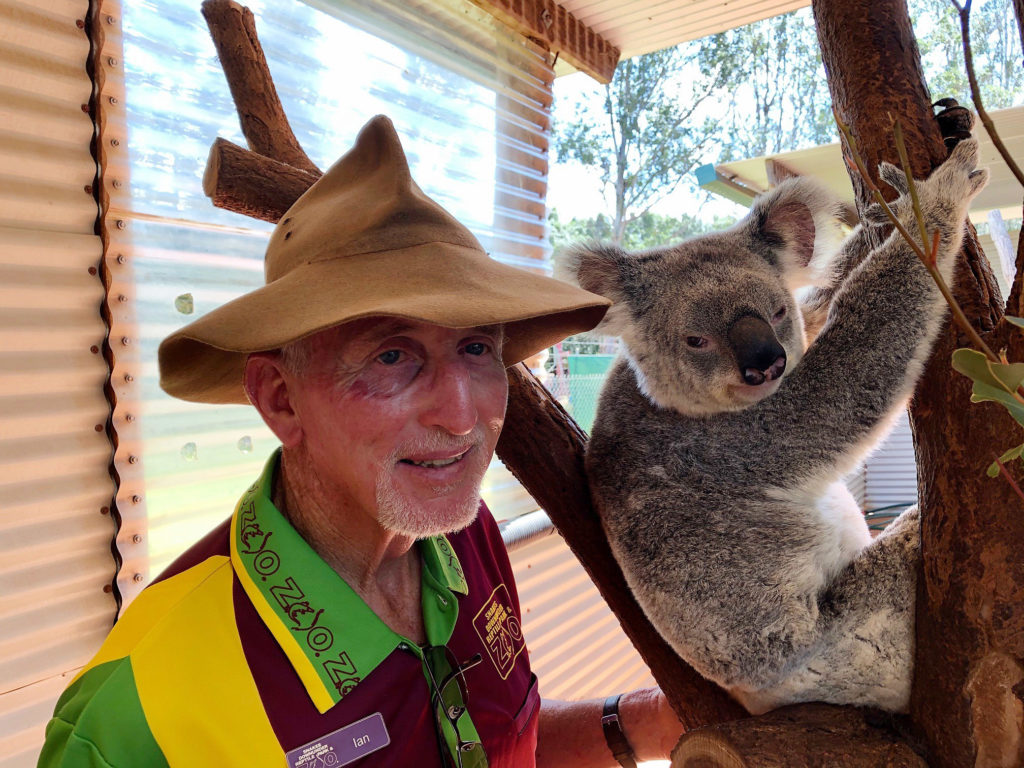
801,736
540,443
969,678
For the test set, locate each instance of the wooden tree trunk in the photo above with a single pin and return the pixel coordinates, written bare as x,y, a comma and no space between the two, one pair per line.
801,736
969,668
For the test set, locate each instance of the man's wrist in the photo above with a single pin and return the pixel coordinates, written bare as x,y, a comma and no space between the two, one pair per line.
614,735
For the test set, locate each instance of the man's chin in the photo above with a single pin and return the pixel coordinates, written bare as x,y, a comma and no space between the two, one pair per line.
421,519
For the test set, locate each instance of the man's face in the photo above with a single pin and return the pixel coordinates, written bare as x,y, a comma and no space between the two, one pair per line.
400,419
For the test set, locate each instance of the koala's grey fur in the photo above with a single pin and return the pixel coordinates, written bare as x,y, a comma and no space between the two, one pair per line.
723,501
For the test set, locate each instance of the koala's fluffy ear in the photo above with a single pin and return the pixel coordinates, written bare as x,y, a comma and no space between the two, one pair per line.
598,269
799,220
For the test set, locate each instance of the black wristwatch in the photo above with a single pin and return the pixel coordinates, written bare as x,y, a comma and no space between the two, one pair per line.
614,735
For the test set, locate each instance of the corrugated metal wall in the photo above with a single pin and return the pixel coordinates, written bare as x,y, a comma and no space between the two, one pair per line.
55,485
577,648
891,472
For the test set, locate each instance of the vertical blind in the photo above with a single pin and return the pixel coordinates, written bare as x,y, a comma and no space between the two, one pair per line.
470,100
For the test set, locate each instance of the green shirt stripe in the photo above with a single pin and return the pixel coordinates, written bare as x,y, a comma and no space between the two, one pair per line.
99,722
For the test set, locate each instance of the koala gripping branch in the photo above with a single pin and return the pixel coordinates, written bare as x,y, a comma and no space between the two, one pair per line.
543,447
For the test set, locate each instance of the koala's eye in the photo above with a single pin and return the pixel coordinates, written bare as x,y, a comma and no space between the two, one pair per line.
779,315
696,342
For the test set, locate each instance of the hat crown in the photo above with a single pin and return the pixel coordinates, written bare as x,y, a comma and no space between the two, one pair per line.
366,202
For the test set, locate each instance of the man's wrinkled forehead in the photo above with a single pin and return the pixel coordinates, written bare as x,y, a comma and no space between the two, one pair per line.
368,331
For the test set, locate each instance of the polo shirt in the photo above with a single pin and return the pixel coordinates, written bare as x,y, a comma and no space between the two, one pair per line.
250,650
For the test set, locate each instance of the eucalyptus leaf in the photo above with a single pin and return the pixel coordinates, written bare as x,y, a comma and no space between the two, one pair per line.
973,364
1010,455
982,392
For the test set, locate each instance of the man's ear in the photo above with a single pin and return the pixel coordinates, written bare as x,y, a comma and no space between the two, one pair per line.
799,221
266,386
598,269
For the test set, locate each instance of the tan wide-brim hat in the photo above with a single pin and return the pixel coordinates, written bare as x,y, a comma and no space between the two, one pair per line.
365,241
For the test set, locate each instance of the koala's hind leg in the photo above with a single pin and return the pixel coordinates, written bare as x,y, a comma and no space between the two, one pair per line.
868,612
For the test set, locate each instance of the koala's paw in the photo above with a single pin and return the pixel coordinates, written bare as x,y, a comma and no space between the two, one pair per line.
948,192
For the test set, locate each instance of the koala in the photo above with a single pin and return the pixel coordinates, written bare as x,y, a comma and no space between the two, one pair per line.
724,430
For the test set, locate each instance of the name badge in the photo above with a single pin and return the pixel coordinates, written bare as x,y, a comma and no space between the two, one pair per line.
343,746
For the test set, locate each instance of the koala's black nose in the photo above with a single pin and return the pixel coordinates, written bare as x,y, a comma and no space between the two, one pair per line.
759,355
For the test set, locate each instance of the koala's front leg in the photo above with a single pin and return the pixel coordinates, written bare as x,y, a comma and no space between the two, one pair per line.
881,327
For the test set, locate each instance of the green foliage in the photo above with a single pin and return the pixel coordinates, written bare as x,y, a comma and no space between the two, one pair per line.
995,48
648,230
997,383
777,93
645,133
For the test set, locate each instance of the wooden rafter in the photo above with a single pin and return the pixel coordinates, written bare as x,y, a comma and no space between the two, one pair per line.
548,23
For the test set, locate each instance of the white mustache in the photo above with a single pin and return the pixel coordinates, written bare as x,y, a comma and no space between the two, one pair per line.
438,441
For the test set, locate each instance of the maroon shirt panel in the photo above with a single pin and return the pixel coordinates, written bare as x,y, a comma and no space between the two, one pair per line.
503,710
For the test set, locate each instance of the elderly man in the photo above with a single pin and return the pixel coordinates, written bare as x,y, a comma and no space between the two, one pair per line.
358,606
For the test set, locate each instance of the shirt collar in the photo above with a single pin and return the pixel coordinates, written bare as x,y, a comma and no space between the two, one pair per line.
329,634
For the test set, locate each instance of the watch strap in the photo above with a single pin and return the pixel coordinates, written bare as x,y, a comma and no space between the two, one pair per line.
613,733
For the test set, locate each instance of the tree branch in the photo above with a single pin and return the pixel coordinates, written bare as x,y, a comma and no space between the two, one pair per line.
263,120
242,181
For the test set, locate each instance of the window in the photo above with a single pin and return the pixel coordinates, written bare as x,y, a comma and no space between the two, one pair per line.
470,101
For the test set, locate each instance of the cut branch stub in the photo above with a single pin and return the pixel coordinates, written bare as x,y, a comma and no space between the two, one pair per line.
801,736
263,120
244,182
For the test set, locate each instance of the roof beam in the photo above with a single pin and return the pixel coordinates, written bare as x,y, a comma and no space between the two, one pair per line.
549,24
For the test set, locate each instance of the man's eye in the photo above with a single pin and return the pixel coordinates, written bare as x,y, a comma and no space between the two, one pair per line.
390,357
477,348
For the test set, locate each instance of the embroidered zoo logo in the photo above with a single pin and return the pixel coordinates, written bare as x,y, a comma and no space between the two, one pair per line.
499,628
303,618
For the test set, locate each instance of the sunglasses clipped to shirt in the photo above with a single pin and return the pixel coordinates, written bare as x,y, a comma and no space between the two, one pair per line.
457,739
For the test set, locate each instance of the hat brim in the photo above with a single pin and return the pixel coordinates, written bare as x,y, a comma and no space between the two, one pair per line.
441,283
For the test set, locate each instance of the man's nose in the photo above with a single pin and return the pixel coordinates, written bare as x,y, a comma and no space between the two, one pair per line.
451,404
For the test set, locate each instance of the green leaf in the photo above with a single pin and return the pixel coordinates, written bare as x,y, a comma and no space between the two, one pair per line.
1010,455
982,392
1018,321
979,368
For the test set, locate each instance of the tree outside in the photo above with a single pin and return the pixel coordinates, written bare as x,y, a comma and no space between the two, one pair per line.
752,91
